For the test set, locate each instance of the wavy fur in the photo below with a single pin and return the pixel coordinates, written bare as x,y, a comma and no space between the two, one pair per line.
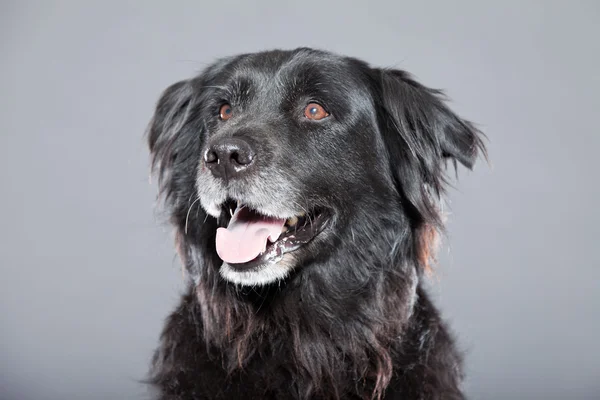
351,321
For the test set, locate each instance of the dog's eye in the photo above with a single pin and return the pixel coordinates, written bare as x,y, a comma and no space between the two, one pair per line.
225,112
315,112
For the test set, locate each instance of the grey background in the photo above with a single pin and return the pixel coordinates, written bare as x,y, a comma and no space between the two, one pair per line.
88,271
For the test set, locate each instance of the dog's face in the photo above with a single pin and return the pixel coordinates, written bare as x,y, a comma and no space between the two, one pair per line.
290,139
289,152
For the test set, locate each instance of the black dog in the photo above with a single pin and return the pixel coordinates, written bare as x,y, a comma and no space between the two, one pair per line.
305,190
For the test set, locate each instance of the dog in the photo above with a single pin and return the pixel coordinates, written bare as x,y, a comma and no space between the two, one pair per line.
305,189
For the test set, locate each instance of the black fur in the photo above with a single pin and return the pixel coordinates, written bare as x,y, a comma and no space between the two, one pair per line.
352,320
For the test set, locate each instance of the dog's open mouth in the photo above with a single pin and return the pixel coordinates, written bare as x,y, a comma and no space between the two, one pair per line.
251,239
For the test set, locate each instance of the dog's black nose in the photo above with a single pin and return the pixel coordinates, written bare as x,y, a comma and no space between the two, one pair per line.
229,158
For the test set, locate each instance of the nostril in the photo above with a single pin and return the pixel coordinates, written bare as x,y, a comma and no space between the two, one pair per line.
211,157
242,157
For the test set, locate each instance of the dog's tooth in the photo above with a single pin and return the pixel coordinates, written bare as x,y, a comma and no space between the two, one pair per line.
284,229
292,221
302,214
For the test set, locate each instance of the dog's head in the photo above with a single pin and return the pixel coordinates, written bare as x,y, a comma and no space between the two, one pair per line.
271,162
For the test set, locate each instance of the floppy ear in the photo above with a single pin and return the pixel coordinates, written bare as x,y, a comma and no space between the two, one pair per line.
171,113
425,120
420,133
174,137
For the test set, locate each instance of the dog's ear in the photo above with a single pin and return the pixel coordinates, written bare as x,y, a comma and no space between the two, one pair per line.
425,122
171,113
420,133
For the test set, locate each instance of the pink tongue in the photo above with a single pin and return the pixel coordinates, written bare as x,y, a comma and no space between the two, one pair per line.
246,236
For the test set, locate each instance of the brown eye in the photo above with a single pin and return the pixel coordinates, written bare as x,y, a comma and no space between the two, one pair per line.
315,112
225,112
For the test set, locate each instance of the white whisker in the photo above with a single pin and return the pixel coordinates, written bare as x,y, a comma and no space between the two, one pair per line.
188,214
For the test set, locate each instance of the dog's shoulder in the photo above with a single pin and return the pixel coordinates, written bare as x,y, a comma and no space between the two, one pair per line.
427,362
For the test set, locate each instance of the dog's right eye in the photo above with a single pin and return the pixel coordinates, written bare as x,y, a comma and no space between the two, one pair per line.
315,111
225,112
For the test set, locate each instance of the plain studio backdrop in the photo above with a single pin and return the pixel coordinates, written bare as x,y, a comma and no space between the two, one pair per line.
88,270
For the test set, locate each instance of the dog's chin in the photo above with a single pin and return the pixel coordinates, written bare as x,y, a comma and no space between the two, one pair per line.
261,274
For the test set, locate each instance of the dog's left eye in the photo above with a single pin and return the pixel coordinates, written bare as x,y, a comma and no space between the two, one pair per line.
225,112
315,112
